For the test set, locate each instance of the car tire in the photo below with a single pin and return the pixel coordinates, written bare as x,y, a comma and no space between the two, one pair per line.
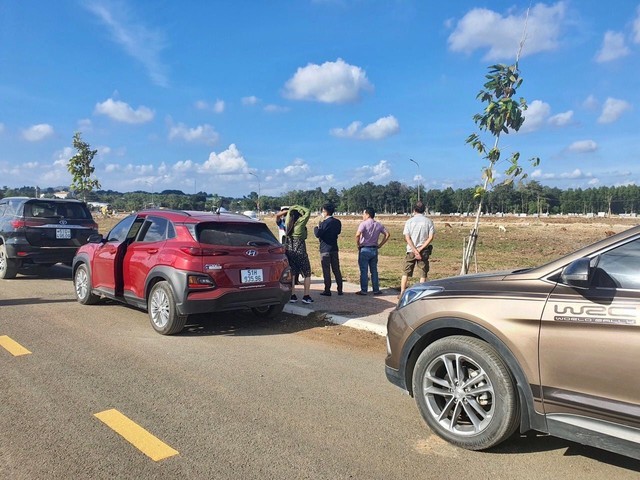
8,266
270,311
82,286
163,313
476,410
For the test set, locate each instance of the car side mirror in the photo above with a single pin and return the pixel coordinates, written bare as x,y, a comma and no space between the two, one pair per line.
95,238
577,273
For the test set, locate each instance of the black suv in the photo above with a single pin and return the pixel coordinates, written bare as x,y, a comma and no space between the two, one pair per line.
41,232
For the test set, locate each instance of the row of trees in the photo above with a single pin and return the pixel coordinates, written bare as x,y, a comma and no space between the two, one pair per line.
394,197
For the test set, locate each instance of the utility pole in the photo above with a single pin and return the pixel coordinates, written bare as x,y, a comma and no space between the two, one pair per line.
412,160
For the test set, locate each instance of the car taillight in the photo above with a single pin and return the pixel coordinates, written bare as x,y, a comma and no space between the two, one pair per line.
202,252
200,281
18,224
286,276
277,250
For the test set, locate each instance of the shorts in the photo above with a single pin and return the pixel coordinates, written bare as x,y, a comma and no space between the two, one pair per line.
296,251
410,262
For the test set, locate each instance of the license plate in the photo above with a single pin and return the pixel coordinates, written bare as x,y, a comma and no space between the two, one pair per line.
63,233
251,275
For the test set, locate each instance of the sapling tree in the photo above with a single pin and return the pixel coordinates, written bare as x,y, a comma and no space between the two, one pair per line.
502,115
80,168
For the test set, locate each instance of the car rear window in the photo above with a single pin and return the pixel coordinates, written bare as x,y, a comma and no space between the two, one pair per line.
47,209
235,234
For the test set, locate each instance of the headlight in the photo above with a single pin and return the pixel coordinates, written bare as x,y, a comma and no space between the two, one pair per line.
418,292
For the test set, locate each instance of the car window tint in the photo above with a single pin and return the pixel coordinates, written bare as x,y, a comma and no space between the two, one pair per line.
73,210
47,209
156,231
619,267
235,234
119,232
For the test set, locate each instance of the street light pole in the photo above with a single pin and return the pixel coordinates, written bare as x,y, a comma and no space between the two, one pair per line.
412,160
258,202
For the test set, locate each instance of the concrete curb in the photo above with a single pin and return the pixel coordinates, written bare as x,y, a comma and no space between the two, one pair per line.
357,323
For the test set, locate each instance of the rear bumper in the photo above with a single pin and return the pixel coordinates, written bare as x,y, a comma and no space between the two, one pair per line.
27,253
218,301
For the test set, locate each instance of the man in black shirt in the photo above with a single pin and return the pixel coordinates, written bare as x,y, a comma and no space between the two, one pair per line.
327,232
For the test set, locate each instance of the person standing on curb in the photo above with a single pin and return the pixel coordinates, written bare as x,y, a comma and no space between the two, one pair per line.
296,248
418,232
368,241
327,232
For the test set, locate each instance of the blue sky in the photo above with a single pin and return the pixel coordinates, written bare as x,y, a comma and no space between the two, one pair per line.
231,96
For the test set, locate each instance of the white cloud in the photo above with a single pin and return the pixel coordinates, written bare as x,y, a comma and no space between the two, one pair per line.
331,82
140,42
272,108
590,103
593,181
583,146
217,107
561,119
297,169
112,167
481,28
576,174
228,161
381,128
184,166
375,173
613,47
636,27
248,101
122,112
535,116
202,133
36,133
84,124
613,109
103,150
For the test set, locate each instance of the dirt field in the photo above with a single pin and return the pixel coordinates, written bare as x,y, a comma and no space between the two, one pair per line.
502,243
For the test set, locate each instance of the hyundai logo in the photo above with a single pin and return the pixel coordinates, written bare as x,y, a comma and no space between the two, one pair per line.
251,253
62,222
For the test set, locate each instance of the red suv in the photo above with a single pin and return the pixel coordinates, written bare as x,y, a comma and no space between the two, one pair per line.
176,263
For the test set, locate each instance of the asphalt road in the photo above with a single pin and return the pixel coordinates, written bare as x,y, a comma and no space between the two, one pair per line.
231,397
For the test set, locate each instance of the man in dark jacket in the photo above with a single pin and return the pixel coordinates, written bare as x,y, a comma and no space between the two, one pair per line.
327,232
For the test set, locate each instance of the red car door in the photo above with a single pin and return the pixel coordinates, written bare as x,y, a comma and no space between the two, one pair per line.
144,254
106,268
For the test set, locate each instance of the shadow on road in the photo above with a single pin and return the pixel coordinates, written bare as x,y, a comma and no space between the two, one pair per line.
244,323
56,272
533,442
34,301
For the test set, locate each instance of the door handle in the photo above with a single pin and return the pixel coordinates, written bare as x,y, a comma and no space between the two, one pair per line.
152,250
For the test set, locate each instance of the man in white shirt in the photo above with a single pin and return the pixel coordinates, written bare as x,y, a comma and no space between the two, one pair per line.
418,232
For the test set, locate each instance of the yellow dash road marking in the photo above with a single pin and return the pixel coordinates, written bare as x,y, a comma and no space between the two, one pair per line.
151,446
13,347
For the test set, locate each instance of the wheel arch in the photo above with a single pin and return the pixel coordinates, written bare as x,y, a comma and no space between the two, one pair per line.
436,329
176,280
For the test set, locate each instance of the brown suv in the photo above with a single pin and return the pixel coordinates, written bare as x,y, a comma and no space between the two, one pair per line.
554,349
